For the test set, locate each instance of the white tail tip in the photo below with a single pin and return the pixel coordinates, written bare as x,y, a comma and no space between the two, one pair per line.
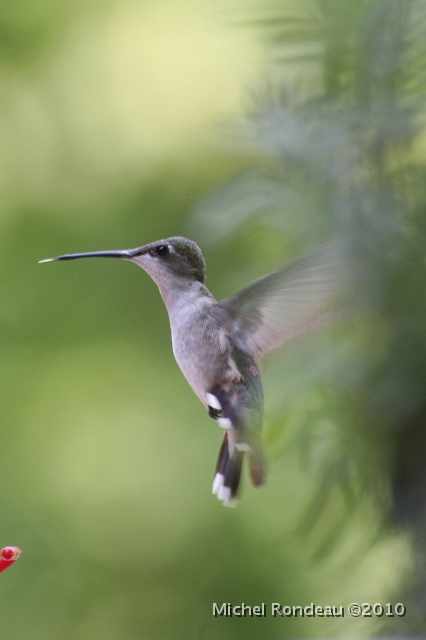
222,492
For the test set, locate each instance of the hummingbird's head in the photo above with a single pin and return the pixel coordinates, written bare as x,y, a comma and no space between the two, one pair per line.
170,263
170,259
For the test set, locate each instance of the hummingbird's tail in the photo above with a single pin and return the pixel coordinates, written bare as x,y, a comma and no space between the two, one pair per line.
257,465
228,470
228,473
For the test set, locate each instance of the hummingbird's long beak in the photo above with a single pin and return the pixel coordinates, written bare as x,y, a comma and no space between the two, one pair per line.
93,254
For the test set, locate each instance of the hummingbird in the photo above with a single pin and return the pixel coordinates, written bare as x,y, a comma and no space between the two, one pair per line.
217,345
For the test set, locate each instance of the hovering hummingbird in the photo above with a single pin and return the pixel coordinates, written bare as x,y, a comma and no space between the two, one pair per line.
217,344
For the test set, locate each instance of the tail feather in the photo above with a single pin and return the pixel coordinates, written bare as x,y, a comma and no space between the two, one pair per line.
228,471
228,474
257,468
242,435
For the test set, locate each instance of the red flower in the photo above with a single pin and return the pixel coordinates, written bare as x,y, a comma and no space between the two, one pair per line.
8,557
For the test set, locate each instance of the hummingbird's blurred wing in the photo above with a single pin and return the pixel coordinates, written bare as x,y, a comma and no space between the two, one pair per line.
285,303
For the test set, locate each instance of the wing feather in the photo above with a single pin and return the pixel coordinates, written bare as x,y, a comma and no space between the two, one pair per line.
287,302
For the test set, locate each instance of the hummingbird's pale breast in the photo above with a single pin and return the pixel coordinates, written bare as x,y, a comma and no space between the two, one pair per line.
201,343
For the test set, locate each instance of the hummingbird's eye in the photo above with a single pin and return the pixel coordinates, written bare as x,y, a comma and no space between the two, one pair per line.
162,250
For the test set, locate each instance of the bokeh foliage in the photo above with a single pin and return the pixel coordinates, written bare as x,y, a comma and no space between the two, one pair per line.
339,130
107,455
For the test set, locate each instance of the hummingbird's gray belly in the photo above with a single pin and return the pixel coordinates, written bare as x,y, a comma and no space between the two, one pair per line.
214,365
204,359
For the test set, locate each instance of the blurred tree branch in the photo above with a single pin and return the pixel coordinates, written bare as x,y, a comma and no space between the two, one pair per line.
340,136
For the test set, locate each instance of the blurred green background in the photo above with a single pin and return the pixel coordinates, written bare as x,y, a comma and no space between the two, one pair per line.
260,130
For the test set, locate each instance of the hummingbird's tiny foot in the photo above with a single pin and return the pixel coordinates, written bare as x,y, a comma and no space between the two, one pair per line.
213,402
225,423
242,446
